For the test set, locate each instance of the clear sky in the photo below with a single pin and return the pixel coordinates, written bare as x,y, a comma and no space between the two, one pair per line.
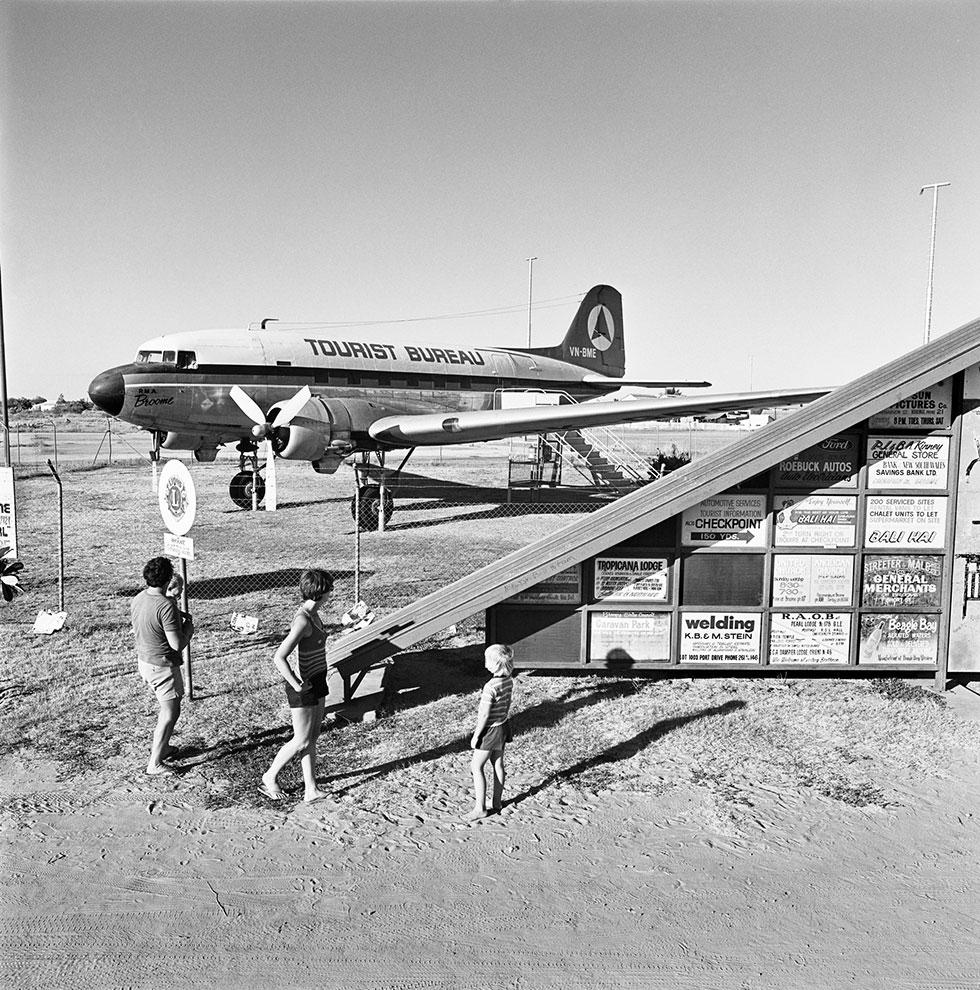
747,174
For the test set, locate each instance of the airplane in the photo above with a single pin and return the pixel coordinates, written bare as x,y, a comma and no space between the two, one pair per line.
323,396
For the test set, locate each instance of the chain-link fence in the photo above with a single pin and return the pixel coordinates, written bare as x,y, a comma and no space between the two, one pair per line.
83,440
453,513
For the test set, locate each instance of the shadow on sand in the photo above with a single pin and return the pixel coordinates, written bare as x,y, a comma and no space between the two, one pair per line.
545,714
627,748
228,586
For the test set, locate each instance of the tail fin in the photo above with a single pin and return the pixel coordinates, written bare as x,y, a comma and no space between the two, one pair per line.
595,338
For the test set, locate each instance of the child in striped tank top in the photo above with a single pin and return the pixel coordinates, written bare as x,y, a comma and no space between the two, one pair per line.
492,730
305,687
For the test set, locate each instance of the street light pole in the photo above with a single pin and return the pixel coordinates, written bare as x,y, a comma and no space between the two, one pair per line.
935,187
3,391
530,282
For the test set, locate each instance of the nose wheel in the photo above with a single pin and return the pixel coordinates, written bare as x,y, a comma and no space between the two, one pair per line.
366,508
240,489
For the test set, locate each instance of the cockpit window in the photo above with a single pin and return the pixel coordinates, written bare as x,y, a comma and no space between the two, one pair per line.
183,359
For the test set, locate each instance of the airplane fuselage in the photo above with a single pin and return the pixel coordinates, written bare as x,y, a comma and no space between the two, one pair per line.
179,384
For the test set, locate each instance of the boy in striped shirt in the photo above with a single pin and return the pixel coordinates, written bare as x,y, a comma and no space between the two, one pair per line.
492,730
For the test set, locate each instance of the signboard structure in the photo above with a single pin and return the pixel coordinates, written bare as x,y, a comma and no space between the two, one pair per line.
837,558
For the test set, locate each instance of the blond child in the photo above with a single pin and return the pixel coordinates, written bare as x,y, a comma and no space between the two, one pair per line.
492,730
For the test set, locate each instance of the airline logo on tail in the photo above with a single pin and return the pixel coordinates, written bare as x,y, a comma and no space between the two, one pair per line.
602,329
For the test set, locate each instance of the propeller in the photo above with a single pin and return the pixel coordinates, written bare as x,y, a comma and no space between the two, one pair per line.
284,414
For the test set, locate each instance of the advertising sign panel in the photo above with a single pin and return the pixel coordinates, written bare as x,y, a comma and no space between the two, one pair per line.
905,522
720,637
625,636
563,588
631,579
815,520
726,520
899,639
830,464
926,410
8,512
809,637
812,579
902,581
908,462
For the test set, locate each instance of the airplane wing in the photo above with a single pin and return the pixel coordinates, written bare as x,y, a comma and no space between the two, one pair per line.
593,379
413,430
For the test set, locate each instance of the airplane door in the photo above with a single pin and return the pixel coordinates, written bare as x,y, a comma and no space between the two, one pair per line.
501,365
502,368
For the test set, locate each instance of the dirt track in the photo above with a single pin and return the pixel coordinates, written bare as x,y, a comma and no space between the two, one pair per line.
128,884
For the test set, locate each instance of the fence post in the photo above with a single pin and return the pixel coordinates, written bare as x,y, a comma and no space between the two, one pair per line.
61,540
357,539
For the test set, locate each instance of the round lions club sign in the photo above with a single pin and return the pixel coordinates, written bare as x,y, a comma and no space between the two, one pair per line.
178,503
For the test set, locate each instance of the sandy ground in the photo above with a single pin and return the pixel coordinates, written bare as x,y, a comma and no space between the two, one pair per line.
110,883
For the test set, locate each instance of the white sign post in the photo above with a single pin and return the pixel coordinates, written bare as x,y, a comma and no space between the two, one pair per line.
271,484
178,506
8,511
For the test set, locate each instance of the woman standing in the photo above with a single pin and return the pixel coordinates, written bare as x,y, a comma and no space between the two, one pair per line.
162,631
305,689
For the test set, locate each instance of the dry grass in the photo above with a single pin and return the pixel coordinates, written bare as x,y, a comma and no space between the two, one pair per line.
849,741
75,699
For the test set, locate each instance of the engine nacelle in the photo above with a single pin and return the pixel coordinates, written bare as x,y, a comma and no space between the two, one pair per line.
324,426
299,442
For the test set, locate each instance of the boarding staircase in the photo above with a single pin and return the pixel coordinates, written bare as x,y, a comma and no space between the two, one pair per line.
605,459
599,455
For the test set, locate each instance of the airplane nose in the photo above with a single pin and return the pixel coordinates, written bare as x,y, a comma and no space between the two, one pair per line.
108,391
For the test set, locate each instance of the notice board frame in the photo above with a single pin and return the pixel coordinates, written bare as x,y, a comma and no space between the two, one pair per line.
574,645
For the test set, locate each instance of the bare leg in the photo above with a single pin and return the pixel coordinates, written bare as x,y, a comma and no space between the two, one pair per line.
480,757
499,776
302,721
166,720
313,792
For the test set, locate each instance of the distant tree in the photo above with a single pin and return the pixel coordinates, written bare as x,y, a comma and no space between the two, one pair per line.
38,400
666,461
18,404
77,406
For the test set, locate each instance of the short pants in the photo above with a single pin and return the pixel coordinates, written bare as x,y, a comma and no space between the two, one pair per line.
167,682
313,691
494,736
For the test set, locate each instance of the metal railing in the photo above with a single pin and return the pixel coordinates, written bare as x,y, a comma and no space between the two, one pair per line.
629,463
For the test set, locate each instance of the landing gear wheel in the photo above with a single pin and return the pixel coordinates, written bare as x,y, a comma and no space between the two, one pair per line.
240,489
371,507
